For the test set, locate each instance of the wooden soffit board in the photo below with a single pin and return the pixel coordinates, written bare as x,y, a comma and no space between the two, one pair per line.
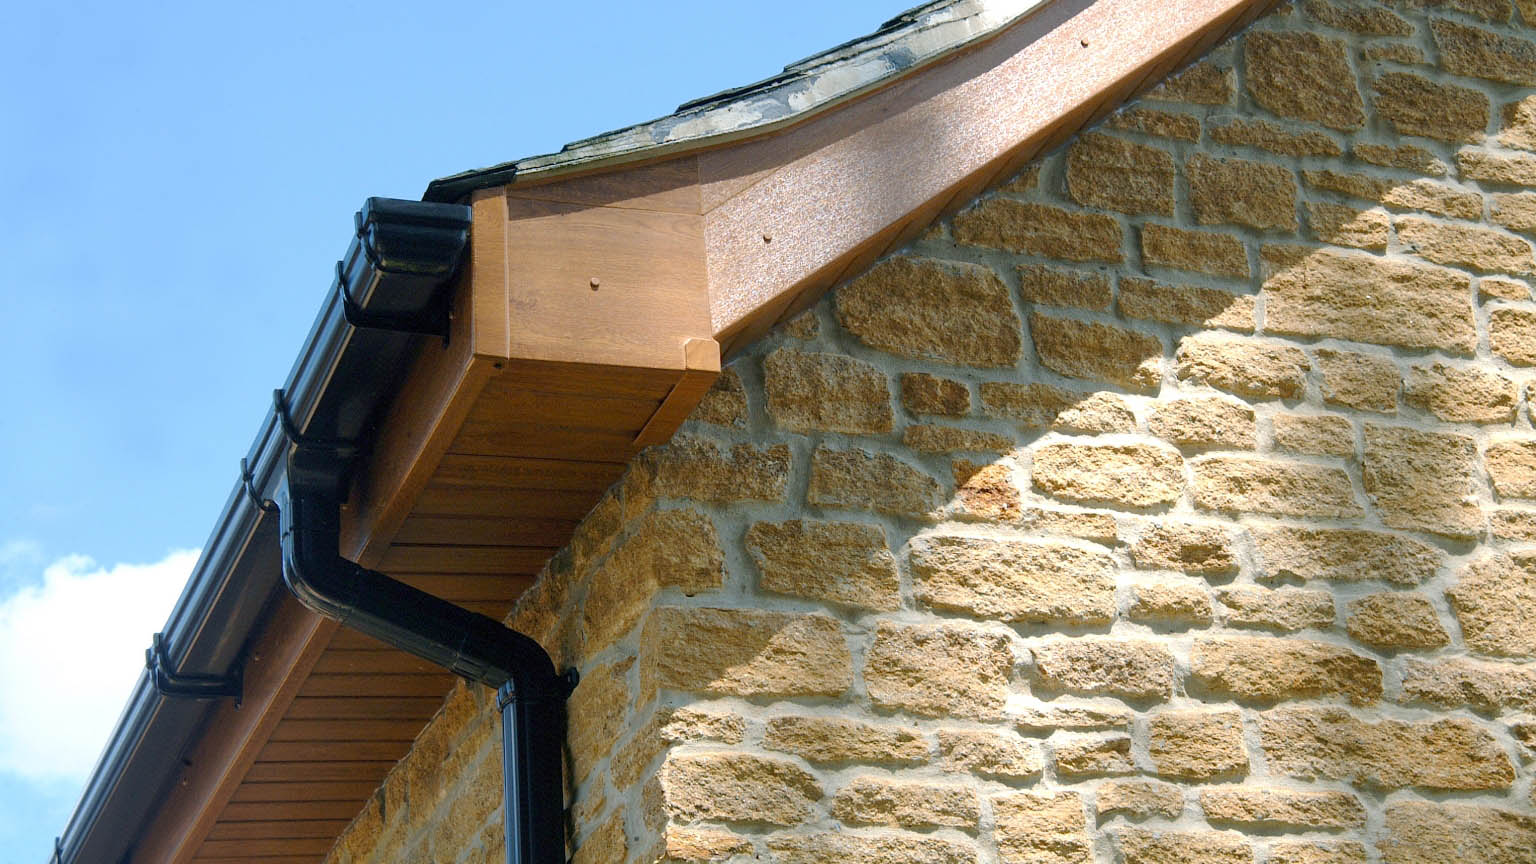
588,322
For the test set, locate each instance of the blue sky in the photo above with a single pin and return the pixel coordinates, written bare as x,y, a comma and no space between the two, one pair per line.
177,180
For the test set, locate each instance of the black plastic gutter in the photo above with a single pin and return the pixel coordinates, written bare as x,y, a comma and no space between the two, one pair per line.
393,283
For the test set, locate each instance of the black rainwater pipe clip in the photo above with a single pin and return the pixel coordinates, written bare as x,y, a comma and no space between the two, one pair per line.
168,683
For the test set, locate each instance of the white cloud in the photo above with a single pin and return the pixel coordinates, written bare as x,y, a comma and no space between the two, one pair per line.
71,649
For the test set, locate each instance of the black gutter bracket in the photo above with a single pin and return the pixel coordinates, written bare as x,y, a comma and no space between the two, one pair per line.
168,683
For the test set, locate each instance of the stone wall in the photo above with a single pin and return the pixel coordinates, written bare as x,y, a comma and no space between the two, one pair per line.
1170,503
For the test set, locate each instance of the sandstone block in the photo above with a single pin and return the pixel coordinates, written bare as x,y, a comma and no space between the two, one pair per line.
1185,304
904,804
838,739
1038,229
1493,598
1421,480
1317,434
1141,846
810,392
1278,808
1418,106
1164,124
1470,394
1468,246
1511,467
1363,298
1167,604
1512,334
986,491
1197,745
736,787
991,755
1253,484
1482,686
1481,53
930,438
1362,19
869,849
1393,621
1014,580
1134,475
841,562
1286,610
1519,121
739,652
688,845
939,671
1239,192
1264,135
947,311
1303,76
1419,831
1247,367
1138,799
1094,757
1116,174
695,468
1055,286
1316,852
859,480
1204,83
1265,669
725,404
667,548
1408,157
1042,828
1095,413
1509,523
1188,546
1104,666
1204,422
922,393
1346,226
1515,211
1499,288
1367,382
1513,169
1072,718
1344,555
1088,349
1331,743
1201,251
598,709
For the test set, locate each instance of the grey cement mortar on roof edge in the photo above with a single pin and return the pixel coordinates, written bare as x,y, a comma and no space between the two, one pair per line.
912,40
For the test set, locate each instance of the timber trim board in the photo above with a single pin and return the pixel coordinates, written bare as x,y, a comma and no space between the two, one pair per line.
590,320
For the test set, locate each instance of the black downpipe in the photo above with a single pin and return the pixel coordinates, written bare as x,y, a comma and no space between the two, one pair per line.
531,694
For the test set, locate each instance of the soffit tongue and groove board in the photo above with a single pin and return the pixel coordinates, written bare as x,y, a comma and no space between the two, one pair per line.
277,830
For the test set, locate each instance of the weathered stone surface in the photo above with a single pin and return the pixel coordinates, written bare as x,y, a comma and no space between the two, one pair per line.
1493,598
842,562
1316,852
604,843
946,311
1042,828
1344,555
1512,335
1278,808
905,804
1188,546
986,491
1088,349
1421,480
1266,669
809,392
1512,467
1169,604
1418,106
838,739
1331,743
1098,527
599,706
1469,246
949,670
991,755
1142,846
922,393
860,480
1164,124
1056,286
1368,382
1138,799
1363,298
725,403
1201,251
1197,745
868,849
1480,53
1095,413
736,787
1204,83
1519,120
1420,831
1346,226
1286,610
1239,192
1515,211
1359,18
1247,367
1471,394
1133,475
1247,132
1435,198
1105,171
1392,621
1406,156
1210,421
1072,718
1514,169
667,548
744,652
1038,229
1014,580
695,468
1396,52
664,728
1511,524
688,845
1185,304
1318,434
1482,686
1303,76
1041,406
1094,757
929,438
1499,288
1253,484
1496,11
1104,666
